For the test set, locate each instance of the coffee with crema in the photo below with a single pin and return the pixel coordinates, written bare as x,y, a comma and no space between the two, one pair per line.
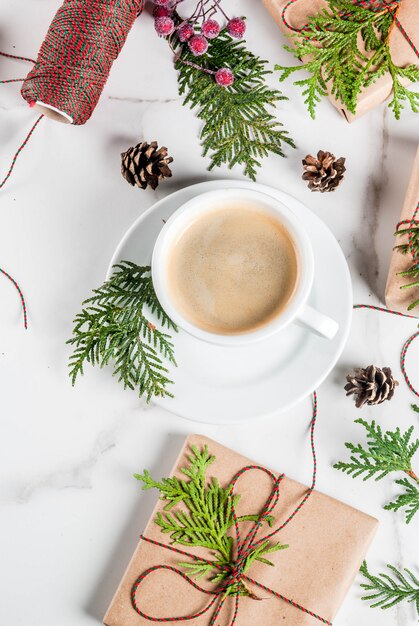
233,269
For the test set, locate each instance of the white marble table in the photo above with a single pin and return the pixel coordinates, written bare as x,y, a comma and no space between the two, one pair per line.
70,511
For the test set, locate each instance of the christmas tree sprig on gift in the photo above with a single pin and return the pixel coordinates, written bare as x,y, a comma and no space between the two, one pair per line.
385,591
330,43
412,274
238,127
199,513
385,453
113,329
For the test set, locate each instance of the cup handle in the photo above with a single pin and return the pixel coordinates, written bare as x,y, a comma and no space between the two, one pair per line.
317,322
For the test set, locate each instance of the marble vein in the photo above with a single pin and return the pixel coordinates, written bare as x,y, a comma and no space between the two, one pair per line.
364,241
77,476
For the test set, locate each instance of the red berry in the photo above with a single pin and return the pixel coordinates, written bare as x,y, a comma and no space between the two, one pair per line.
185,32
198,45
161,12
210,29
162,3
164,26
236,27
224,77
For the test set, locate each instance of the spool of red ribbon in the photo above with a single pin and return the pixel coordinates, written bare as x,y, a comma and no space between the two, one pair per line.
73,64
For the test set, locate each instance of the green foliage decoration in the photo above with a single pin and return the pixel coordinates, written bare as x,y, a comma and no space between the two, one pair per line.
385,590
386,453
113,328
239,123
330,46
199,513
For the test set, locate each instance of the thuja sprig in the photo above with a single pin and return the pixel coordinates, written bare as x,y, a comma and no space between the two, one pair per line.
225,83
113,329
330,43
199,513
385,453
411,274
385,590
238,127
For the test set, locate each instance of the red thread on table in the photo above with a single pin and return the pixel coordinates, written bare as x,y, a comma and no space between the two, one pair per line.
236,573
22,299
366,4
28,136
19,150
17,57
403,362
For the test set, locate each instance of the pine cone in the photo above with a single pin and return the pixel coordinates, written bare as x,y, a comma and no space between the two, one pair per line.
323,173
145,165
371,385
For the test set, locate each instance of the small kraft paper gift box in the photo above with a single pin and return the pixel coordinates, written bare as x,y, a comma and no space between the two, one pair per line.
403,44
231,542
402,290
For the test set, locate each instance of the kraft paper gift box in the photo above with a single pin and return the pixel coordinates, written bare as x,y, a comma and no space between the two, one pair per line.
327,544
401,51
399,299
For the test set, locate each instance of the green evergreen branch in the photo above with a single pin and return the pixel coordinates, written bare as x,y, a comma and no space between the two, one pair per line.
385,453
204,518
385,591
238,127
330,43
408,500
112,328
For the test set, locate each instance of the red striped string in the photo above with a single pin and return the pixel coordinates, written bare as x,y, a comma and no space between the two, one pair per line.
11,80
236,572
28,136
19,150
403,362
12,280
15,56
22,299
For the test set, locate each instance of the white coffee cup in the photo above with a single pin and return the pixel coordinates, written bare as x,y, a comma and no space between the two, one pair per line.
297,310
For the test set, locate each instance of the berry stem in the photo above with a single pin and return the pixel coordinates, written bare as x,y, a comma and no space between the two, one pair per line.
217,6
168,26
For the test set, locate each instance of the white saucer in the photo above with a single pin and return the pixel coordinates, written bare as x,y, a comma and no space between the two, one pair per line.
219,385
